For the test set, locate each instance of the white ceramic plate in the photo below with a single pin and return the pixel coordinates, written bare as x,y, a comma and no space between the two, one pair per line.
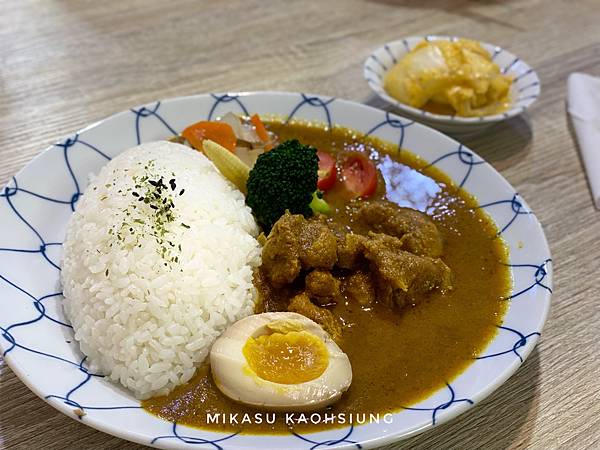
525,88
37,342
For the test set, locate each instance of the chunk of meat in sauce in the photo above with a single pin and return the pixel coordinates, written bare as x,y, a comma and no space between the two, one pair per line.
418,232
318,245
270,299
280,255
322,287
301,304
350,251
295,244
400,275
360,288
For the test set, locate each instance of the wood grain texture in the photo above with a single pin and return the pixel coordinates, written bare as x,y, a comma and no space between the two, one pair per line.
65,64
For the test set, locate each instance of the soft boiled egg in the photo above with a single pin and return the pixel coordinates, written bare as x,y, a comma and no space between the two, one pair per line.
280,361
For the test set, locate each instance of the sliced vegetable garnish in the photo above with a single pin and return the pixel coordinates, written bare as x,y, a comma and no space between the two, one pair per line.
261,131
318,205
244,130
359,175
327,171
230,166
218,132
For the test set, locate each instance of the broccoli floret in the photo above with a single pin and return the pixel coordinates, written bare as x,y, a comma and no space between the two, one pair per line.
284,178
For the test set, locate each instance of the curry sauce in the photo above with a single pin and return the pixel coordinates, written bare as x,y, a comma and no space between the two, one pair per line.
398,357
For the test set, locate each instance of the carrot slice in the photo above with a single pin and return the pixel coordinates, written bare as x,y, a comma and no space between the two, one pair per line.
261,131
219,132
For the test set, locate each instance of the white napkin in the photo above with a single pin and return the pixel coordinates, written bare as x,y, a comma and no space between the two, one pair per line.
583,103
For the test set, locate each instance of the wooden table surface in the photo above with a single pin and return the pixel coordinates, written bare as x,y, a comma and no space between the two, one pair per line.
65,64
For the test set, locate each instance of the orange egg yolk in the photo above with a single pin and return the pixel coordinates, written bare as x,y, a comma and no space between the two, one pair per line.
287,358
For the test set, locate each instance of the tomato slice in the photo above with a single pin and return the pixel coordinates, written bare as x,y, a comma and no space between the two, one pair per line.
219,132
327,171
359,175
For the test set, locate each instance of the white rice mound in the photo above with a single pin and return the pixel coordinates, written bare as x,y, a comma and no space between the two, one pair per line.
143,318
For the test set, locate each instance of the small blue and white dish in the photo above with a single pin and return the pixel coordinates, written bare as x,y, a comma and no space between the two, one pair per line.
525,88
